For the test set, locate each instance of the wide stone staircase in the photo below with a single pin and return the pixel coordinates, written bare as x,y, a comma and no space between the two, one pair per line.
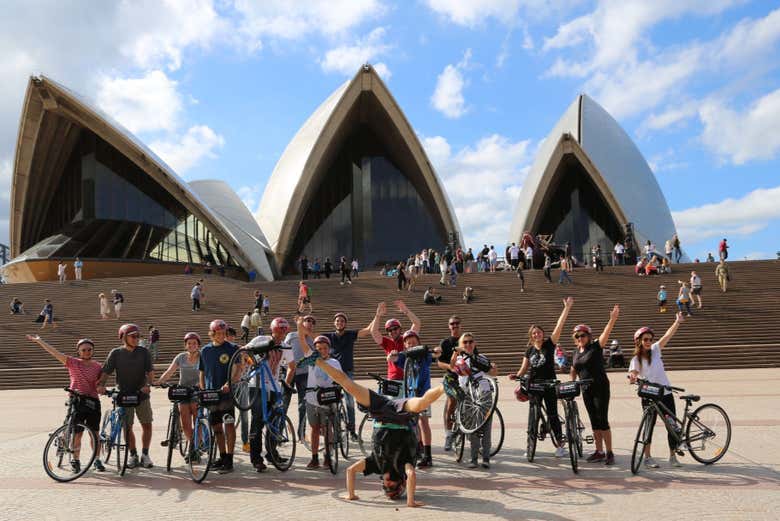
737,329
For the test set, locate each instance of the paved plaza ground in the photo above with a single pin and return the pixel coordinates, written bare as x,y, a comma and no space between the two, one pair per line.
745,484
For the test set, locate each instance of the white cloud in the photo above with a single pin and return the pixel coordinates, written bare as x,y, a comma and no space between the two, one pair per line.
749,39
471,13
251,195
742,136
184,152
281,19
731,217
483,181
672,116
149,103
347,59
448,97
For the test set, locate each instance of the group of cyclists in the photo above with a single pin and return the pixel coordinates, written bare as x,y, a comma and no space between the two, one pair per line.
304,360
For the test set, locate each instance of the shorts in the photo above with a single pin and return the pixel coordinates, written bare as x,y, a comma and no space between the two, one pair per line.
306,300
662,303
143,410
90,416
118,307
217,412
696,291
317,414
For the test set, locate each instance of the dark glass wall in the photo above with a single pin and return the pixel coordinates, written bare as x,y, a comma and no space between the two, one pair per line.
365,207
578,213
109,208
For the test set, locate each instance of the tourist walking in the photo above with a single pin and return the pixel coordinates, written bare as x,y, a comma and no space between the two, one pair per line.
677,249
722,273
105,308
684,297
77,267
195,295
355,269
47,314
547,267
304,297
256,322
344,268
246,323
618,254
153,342
327,267
493,259
61,275
696,288
723,249
565,266
400,273
119,301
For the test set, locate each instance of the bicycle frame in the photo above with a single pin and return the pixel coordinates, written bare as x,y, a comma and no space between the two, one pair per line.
664,413
262,371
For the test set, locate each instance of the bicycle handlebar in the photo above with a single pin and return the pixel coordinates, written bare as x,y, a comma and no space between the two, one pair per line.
667,387
73,391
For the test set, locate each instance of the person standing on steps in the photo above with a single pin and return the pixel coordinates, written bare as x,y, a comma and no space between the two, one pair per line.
677,249
648,364
105,308
246,323
342,344
539,364
134,375
696,288
565,266
394,341
119,301
345,269
327,267
723,250
78,266
722,273
195,294
589,363
547,268
304,297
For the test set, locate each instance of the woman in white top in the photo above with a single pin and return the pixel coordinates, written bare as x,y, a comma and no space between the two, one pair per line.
105,311
648,364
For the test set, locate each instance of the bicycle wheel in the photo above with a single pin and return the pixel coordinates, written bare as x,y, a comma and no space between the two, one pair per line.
458,445
411,378
331,448
644,436
172,441
59,453
364,434
105,437
201,450
122,449
343,431
497,432
280,441
580,427
480,402
708,433
533,432
245,390
182,440
572,435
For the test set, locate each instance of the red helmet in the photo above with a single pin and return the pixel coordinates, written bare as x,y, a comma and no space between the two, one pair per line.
218,325
582,328
521,394
85,341
342,315
390,324
411,333
128,329
462,368
191,335
641,331
280,323
322,338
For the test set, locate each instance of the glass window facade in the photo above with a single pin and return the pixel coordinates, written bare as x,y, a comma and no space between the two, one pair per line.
576,212
365,207
109,208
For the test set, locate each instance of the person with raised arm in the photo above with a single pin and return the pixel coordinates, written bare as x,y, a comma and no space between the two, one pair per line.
394,341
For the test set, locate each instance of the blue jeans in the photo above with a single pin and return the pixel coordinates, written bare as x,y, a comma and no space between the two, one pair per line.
564,275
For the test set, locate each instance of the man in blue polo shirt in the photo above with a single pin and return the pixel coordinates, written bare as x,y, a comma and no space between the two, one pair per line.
342,342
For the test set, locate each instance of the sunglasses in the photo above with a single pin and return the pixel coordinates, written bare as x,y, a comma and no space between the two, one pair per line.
468,341
454,323
310,320
580,335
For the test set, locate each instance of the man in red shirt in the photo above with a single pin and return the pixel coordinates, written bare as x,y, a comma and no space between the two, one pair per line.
394,340
723,250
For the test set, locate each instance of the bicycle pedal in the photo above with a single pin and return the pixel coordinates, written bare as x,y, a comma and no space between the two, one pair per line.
589,440
680,452
164,443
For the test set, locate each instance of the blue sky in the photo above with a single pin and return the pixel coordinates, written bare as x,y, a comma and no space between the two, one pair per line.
219,88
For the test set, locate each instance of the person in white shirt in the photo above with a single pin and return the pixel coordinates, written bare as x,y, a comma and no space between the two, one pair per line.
648,364
529,257
514,255
493,258
61,272
620,250
695,289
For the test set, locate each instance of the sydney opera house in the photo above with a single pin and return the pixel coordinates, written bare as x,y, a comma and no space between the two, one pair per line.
353,181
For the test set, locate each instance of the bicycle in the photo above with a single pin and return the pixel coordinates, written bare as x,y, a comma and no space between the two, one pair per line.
61,452
113,431
250,374
538,415
567,392
385,387
497,432
202,449
705,432
334,429
174,436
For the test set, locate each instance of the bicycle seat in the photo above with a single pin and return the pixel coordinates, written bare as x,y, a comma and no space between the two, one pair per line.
691,397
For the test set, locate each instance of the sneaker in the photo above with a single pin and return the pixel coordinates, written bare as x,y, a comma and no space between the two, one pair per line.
99,466
448,442
245,447
308,361
226,468
596,456
485,463
560,452
313,464
146,461
327,462
260,466
425,463
473,464
75,466
216,464
349,282
650,463
452,386
341,283
610,459
132,461
674,462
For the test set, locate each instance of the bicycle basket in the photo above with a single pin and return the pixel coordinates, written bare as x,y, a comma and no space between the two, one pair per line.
328,395
209,398
179,394
480,363
390,387
128,399
568,390
416,352
536,388
650,390
87,404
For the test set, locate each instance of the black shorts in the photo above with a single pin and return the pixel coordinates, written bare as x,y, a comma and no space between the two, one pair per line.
217,412
88,413
696,291
392,450
389,410
662,303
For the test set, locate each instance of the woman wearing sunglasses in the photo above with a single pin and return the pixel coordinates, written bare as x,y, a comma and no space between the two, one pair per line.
589,363
648,364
